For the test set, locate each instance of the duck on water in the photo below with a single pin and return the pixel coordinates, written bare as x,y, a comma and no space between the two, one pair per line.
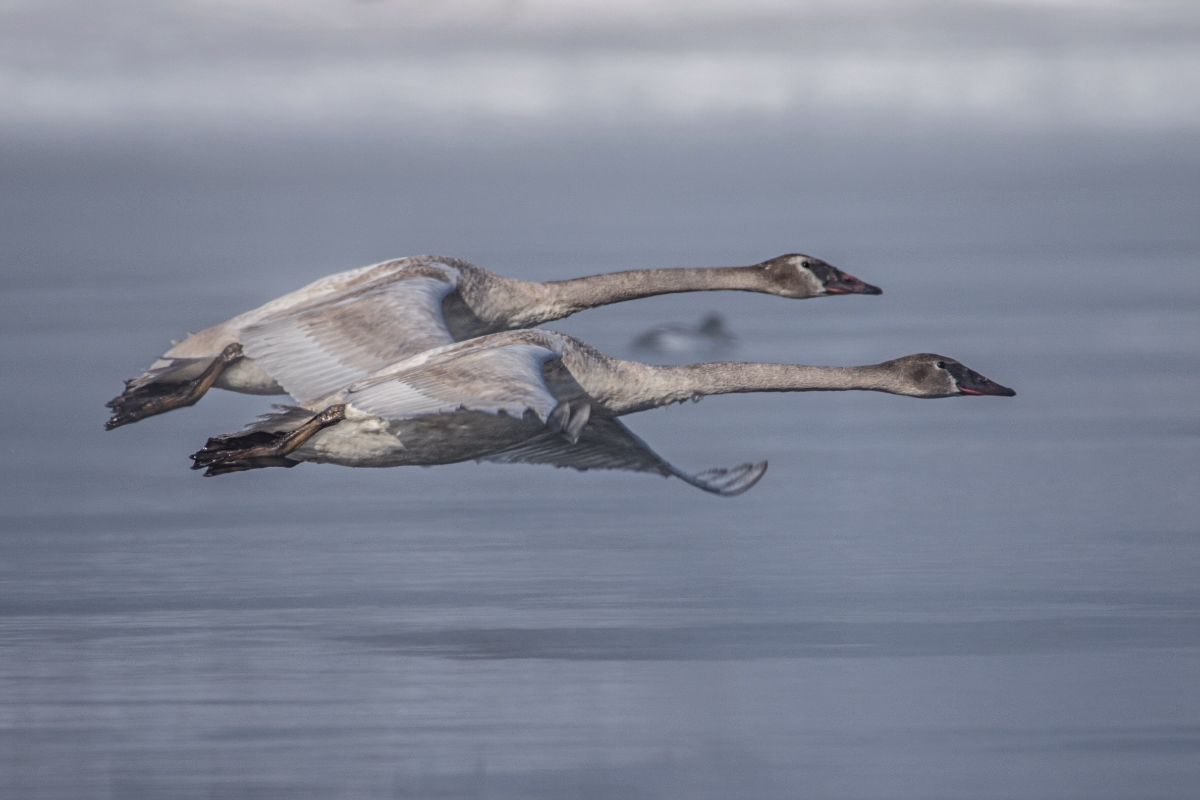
711,337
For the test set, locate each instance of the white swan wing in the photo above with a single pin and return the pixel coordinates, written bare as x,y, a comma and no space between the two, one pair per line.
323,348
341,284
605,443
475,376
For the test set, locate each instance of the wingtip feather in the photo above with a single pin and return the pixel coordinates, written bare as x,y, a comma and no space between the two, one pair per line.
730,481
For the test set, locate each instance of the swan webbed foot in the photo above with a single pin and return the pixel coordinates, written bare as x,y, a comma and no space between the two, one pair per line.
152,399
235,453
258,462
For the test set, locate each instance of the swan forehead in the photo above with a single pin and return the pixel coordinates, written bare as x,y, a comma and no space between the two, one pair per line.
793,260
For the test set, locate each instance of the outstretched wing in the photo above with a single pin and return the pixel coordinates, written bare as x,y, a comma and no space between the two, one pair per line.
479,375
326,347
605,443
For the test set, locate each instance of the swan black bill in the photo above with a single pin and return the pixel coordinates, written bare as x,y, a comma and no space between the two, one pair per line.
971,382
844,283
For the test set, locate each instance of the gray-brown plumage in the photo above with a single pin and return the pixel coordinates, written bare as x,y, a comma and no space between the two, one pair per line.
344,327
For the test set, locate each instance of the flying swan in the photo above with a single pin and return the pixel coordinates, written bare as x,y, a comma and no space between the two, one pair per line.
537,396
365,319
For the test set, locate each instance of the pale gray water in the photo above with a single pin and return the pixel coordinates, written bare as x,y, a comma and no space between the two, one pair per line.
977,598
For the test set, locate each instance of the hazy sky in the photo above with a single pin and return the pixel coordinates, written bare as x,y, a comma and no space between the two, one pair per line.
334,132
317,67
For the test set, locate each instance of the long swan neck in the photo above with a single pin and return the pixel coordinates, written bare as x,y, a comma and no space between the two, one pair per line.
486,303
561,298
642,386
495,302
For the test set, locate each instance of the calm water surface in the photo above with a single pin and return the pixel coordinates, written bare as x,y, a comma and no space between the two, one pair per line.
977,598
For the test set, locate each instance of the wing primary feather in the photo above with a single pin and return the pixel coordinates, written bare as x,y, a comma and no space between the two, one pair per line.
605,443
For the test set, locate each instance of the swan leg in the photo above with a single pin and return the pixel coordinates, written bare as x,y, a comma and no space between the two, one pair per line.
261,449
153,399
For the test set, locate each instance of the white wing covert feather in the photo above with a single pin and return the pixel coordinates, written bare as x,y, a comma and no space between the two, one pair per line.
323,348
507,379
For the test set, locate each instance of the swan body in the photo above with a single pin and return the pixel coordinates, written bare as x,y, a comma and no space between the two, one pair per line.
377,315
538,396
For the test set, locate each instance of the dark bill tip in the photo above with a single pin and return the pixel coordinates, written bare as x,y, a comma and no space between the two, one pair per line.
995,390
971,382
848,284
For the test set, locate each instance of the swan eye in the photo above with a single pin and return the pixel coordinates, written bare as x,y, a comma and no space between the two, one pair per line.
941,365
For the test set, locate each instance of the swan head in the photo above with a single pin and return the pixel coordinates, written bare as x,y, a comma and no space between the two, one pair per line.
931,375
798,275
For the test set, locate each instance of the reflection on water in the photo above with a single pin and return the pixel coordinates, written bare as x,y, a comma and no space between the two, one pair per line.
959,598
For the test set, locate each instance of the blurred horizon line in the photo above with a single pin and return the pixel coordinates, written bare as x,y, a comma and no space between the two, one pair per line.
523,69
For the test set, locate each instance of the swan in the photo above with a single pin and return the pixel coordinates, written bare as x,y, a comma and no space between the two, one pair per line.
709,337
380,314
538,396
